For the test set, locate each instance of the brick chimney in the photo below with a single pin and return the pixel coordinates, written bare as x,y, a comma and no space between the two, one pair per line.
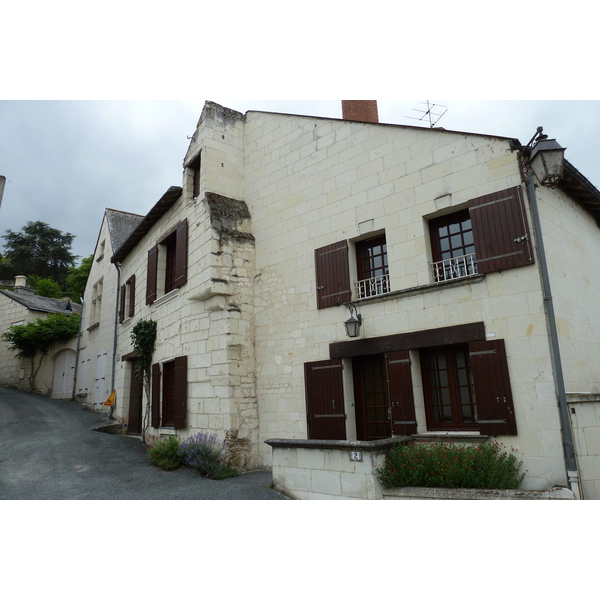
360,110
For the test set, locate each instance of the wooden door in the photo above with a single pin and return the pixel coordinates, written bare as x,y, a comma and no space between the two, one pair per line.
326,416
372,401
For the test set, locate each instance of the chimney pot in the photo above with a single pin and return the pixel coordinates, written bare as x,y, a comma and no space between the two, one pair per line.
360,110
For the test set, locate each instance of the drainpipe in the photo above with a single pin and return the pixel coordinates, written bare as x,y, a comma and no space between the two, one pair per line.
77,352
567,434
114,354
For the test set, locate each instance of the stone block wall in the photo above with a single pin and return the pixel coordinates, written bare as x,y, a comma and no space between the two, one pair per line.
328,470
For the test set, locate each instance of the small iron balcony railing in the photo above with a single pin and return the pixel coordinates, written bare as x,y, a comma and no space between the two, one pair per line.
373,287
454,268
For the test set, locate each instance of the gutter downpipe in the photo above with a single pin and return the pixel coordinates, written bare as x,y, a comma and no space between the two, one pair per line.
567,434
77,352
114,354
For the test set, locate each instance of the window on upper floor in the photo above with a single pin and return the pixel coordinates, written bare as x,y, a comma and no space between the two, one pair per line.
127,303
167,263
490,235
101,251
97,301
372,267
452,246
332,266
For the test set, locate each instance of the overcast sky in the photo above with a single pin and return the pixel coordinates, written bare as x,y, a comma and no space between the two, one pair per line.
66,161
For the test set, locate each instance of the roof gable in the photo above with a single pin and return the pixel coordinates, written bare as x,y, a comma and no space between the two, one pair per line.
156,212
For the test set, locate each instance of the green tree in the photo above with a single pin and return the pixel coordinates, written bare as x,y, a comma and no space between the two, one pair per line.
7,271
45,287
41,250
36,338
77,278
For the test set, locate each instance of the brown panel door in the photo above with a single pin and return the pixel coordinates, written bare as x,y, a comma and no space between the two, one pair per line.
402,403
325,400
136,394
493,396
371,395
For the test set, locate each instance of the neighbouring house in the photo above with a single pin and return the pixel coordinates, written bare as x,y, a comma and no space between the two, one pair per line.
55,376
95,362
286,227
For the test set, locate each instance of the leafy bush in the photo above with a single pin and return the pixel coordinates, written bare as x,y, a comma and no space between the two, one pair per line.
204,452
443,464
166,454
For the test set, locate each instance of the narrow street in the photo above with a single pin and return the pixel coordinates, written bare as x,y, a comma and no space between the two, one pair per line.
50,451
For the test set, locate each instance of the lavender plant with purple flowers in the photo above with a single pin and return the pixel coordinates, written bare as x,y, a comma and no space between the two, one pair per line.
205,452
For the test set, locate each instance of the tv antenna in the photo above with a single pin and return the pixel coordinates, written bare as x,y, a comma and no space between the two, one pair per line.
429,114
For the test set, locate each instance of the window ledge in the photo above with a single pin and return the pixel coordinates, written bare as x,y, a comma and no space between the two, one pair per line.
167,297
93,326
167,431
455,436
421,289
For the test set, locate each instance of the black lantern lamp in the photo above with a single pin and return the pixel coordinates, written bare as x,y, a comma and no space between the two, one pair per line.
546,161
353,324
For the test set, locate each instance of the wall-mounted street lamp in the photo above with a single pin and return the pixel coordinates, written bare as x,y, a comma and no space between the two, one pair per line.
546,161
543,158
353,324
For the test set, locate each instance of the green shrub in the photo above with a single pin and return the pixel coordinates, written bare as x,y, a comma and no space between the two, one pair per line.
443,464
166,454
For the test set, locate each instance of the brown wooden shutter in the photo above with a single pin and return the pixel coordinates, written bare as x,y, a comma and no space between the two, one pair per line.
502,239
400,390
332,274
131,283
181,253
122,304
180,394
151,281
325,400
493,397
155,395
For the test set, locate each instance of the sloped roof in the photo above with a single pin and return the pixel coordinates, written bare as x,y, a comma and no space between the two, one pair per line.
43,304
581,190
121,225
156,212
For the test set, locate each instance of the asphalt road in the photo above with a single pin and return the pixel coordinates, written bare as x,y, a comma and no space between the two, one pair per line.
50,451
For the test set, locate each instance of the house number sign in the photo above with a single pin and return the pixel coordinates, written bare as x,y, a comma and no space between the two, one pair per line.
356,455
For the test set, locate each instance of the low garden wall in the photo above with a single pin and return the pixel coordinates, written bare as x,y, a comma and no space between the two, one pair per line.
331,469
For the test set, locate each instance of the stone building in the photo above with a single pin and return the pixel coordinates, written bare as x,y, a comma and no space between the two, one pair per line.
95,360
285,222
54,378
